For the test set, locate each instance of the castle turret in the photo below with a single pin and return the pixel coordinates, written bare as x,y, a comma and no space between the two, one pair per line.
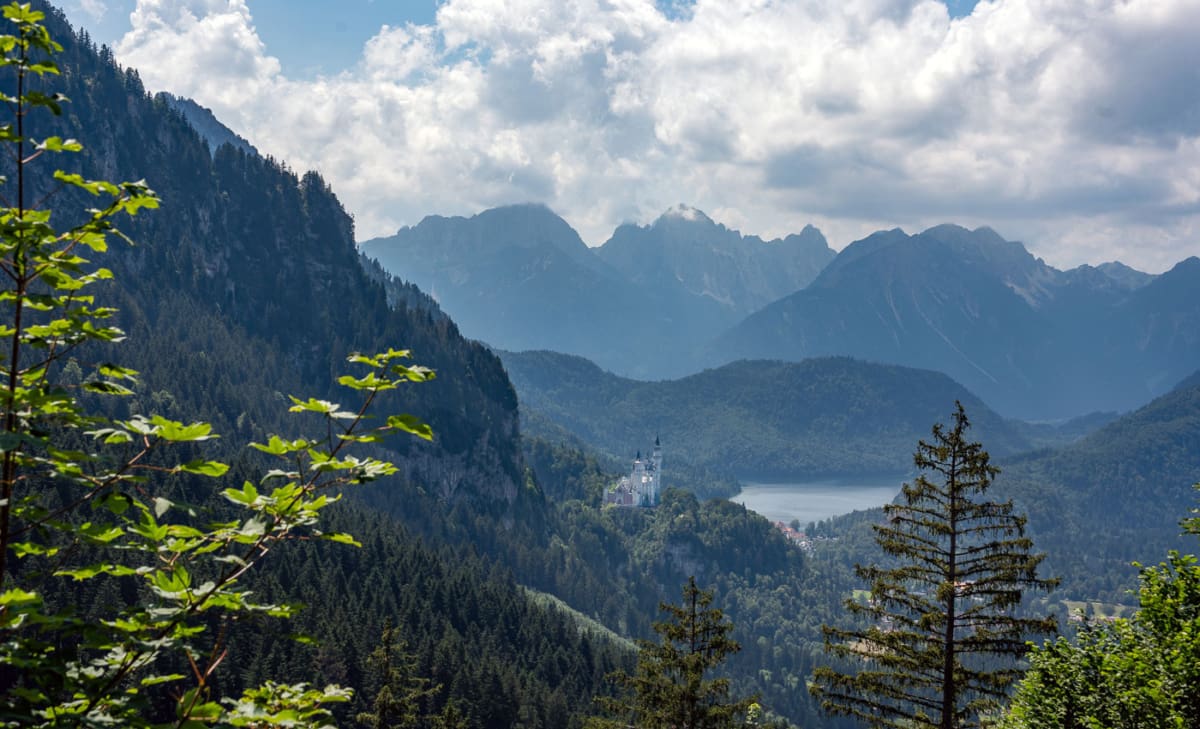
656,460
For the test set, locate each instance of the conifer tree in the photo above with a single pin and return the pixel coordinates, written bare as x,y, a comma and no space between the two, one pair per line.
398,704
672,686
943,631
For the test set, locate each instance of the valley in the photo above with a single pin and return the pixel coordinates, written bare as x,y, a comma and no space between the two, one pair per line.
465,558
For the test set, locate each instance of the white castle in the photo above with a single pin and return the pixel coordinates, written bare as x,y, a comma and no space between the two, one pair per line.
643,485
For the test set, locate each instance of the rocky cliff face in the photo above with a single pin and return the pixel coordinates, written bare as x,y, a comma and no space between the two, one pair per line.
685,249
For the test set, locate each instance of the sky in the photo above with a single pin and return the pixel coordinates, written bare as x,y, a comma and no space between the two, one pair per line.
1070,125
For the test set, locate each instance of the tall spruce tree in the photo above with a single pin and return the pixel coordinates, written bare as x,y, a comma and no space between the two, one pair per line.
402,696
672,687
944,633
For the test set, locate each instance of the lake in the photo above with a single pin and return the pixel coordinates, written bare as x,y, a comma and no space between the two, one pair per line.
810,501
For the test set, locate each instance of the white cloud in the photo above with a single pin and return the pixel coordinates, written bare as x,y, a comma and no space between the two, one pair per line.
94,9
1073,124
206,49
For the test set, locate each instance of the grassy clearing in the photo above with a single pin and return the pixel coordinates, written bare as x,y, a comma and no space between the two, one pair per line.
585,623
1100,610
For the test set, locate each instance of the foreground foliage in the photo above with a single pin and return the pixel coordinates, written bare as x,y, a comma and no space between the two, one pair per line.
1138,672
943,629
82,497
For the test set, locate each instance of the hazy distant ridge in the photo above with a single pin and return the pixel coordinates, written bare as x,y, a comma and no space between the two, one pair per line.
1031,340
667,299
519,277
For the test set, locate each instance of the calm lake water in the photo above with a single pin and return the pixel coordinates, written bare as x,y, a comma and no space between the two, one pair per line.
811,501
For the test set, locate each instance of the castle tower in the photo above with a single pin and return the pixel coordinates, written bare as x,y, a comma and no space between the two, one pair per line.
656,459
637,480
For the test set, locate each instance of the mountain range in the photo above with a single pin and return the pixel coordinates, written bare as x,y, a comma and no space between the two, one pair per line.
1033,341
686,293
520,277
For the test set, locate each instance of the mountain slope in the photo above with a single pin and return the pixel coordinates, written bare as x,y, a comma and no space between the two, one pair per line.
1036,342
1115,496
206,123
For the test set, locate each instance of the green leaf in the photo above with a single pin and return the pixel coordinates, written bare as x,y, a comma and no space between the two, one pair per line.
253,528
112,370
17,597
369,381
104,387
415,373
56,144
410,424
115,501
342,539
177,432
304,639
247,496
25,549
86,573
276,446
313,405
205,468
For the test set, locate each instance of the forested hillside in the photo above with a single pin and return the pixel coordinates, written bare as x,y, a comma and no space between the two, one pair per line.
1116,496
760,419
245,287
1095,506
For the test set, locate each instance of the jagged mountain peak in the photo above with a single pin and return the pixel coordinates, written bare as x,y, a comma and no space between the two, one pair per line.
687,213
1124,275
687,252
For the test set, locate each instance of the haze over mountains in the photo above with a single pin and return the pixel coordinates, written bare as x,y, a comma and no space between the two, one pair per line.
1032,341
520,278
686,293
